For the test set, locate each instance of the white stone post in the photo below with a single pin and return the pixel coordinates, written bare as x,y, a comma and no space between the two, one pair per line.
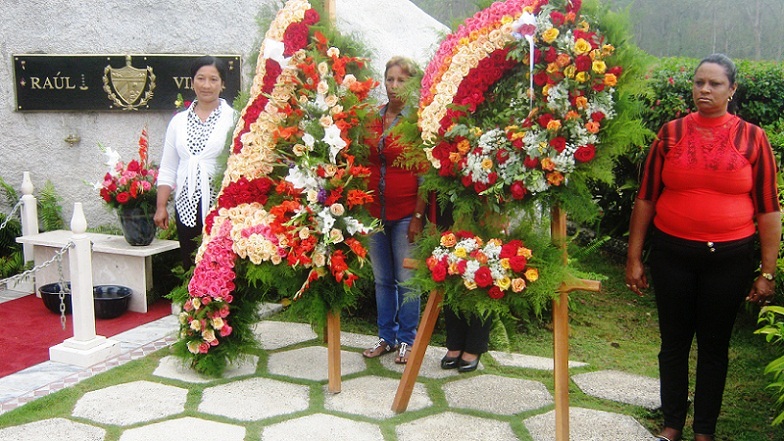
85,348
29,215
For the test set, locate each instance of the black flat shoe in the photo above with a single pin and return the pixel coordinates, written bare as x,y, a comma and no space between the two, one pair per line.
450,362
468,366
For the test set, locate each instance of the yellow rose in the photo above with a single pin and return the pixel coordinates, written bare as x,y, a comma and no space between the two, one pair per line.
554,125
570,71
553,68
550,35
518,284
505,264
532,274
487,163
503,283
461,252
607,50
217,323
469,284
452,269
599,67
582,47
582,77
525,252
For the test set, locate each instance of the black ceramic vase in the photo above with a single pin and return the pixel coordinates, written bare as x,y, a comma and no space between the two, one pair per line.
138,226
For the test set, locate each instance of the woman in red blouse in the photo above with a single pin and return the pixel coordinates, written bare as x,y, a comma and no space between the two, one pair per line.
708,187
401,212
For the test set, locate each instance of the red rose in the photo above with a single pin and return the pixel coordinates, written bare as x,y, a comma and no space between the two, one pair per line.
438,273
583,63
295,37
597,116
483,278
467,182
551,55
501,156
532,163
123,197
585,153
509,249
461,266
492,178
558,143
518,143
480,187
517,263
557,18
544,120
495,293
518,190
540,79
311,17
573,5
105,195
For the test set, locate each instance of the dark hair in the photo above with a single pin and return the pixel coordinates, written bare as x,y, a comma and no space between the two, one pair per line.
210,61
724,61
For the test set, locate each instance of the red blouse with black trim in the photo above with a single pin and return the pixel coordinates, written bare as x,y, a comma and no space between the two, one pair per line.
709,177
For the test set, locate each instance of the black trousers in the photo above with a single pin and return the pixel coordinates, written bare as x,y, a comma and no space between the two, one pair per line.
699,288
187,237
466,334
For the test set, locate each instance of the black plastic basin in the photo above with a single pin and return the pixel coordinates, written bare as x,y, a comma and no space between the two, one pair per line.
109,301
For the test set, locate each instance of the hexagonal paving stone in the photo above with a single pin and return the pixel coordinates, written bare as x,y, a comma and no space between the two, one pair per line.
185,428
254,399
311,363
354,340
431,364
528,361
131,403
321,427
55,428
589,425
449,426
172,367
496,394
621,387
373,396
276,335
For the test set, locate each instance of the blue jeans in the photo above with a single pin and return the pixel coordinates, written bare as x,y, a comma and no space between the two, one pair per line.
398,316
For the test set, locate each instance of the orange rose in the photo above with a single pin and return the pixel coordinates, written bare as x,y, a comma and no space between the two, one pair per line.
592,126
555,178
448,240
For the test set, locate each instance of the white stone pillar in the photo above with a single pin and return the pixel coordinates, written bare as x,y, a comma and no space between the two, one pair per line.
29,215
85,348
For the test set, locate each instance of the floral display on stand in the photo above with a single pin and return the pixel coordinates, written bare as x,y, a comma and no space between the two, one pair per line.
516,103
290,216
518,111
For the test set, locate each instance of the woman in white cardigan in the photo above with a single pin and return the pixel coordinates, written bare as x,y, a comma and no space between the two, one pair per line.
194,140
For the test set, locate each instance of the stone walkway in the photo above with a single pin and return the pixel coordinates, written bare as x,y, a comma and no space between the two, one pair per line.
284,397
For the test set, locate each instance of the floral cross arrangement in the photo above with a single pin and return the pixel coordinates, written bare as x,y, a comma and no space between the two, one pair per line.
130,185
290,215
516,100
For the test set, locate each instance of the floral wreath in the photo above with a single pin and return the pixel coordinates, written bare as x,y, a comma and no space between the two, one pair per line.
515,101
290,215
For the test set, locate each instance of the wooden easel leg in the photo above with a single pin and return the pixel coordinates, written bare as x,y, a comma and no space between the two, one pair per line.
333,351
561,366
422,340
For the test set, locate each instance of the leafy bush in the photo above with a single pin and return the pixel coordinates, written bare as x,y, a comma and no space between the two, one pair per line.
772,319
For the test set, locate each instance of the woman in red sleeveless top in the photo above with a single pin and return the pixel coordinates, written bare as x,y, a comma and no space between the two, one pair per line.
708,188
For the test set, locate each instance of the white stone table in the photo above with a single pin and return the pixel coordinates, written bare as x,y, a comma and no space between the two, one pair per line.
114,261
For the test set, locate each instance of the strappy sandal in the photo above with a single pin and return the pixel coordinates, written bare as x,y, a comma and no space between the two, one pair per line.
379,348
402,353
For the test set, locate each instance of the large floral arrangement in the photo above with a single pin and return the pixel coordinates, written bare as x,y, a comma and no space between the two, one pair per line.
131,184
515,103
290,215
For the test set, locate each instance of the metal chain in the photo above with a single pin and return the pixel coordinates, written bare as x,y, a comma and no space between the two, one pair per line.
64,289
58,255
11,215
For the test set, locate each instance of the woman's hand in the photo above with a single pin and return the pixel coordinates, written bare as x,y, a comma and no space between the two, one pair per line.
161,218
415,228
762,291
636,280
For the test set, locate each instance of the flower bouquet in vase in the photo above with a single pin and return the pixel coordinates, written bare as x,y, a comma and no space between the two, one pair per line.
130,189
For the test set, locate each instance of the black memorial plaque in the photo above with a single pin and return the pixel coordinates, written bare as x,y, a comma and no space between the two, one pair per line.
110,82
